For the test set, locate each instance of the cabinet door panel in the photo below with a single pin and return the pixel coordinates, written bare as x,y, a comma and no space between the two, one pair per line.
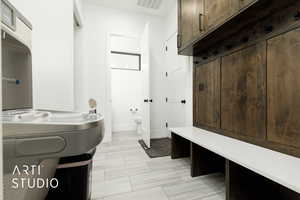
243,98
186,20
284,89
207,91
191,19
217,11
244,3
198,19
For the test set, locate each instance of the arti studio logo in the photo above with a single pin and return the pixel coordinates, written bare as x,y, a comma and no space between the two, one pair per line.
30,176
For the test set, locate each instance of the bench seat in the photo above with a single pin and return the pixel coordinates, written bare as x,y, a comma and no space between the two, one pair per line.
278,167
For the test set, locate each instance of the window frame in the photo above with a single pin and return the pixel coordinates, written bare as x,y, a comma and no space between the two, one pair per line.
130,54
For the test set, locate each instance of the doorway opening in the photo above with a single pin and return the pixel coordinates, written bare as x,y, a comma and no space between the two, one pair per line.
126,83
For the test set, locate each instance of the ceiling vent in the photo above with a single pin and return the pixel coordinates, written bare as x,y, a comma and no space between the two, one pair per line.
152,4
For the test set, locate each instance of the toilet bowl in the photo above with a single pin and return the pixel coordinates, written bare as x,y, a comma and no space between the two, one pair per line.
138,122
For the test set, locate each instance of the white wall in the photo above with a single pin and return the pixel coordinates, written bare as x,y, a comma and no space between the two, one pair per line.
79,82
52,50
79,5
57,82
126,93
126,85
98,23
78,12
1,133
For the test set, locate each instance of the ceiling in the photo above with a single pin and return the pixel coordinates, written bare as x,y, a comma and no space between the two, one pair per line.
131,5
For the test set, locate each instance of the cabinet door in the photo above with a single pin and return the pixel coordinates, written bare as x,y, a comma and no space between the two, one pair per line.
243,93
244,3
217,11
186,10
207,94
198,19
284,89
190,20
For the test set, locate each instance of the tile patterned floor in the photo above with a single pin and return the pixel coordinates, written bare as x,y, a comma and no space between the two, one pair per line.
123,171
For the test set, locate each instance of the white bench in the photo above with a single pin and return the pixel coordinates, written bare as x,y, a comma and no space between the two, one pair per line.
277,167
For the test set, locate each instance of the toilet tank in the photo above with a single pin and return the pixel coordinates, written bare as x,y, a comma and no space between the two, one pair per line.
16,59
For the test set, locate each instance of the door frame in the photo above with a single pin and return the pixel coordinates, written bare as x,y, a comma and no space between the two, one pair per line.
108,100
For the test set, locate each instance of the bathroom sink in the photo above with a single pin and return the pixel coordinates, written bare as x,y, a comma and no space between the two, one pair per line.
41,138
56,134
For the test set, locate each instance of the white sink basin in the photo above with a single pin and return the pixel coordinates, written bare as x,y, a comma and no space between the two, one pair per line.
56,134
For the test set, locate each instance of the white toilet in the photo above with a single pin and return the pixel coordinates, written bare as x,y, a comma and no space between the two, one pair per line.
136,118
138,122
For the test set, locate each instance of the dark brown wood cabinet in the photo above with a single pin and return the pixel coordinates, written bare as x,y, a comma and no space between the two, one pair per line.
245,3
218,11
190,20
207,94
283,67
243,92
185,22
198,23
247,72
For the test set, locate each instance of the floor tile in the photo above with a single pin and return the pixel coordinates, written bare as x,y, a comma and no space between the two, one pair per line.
98,175
151,194
220,196
107,188
166,163
123,171
159,178
108,163
126,171
195,189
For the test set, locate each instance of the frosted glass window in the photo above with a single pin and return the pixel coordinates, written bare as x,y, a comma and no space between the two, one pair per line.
125,61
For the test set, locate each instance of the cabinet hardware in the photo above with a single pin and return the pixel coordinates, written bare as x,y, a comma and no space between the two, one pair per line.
146,100
201,22
229,46
216,52
297,15
151,101
12,80
268,28
245,39
201,87
183,101
178,41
